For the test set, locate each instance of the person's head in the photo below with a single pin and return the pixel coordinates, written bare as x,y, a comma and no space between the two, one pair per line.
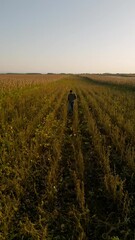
70,91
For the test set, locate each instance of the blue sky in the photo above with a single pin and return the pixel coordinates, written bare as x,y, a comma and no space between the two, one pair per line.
74,36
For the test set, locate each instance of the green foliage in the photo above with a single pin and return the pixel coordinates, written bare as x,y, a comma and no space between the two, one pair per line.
115,238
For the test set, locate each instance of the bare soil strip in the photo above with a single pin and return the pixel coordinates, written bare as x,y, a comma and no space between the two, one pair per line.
63,226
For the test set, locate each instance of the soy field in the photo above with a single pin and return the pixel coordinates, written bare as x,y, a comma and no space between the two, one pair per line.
67,176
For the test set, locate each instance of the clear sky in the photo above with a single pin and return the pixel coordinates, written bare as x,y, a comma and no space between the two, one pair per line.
74,36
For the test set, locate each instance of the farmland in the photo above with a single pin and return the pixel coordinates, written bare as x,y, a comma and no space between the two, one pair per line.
67,177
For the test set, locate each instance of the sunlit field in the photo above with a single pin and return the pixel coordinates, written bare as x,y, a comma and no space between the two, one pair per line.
67,176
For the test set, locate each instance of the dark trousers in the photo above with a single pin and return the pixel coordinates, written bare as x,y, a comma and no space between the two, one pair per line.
70,106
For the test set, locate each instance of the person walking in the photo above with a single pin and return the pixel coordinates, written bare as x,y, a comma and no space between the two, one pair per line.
71,98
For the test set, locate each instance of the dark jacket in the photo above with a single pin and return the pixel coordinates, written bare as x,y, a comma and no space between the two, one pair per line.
71,97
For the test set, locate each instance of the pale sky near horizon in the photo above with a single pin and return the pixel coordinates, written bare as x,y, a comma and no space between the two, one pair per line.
71,36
